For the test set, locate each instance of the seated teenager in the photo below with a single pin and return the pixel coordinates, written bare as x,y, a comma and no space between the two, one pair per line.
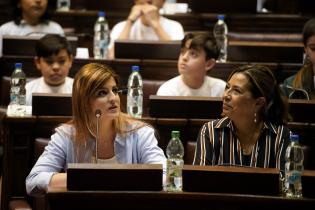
197,57
252,131
302,84
30,17
53,59
145,23
121,138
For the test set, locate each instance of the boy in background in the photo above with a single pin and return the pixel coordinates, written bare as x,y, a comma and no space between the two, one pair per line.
53,59
145,23
198,56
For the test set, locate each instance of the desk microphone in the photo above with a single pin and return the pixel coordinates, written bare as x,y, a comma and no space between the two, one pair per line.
98,114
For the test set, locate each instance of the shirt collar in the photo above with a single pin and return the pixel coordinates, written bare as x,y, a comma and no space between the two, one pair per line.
226,122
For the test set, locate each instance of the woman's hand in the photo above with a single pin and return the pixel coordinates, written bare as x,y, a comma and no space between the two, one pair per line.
58,180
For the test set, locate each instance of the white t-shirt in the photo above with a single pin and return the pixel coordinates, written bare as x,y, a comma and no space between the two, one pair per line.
212,87
24,29
40,86
141,32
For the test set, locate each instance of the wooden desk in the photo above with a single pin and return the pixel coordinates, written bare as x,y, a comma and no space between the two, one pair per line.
27,44
211,108
149,68
167,50
265,51
62,199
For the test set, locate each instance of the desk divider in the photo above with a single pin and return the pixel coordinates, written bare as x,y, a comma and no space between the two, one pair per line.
231,179
137,177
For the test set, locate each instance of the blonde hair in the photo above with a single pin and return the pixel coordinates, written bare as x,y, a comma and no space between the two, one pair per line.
87,82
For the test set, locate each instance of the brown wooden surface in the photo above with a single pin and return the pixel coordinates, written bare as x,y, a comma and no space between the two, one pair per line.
238,180
211,107
62,199
149,68
140,177
167,50
52,104
26,45
263,51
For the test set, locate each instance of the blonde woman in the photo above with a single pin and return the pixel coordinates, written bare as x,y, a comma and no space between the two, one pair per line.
121,138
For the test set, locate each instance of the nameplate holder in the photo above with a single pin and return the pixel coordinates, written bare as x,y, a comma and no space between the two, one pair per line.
115,177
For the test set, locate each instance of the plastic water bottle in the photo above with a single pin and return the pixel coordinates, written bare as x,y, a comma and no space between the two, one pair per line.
220,31
63,5
174,164
135,93
101,36
293,168
17,106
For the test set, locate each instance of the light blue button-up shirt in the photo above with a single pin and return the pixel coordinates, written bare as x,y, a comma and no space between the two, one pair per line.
138,146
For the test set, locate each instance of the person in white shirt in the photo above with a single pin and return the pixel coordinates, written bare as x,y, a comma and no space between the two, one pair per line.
54,60
145,23
30,17
197,57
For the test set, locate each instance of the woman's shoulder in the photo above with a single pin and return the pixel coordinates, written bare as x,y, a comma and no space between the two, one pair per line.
65,130
218,123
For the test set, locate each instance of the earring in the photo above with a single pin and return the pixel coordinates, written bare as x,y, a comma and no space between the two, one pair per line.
255,119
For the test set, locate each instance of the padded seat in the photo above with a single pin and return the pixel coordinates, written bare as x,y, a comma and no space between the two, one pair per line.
190,152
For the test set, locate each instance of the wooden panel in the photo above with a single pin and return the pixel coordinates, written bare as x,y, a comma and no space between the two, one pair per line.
255,51
50,104
302,110
114,177
211,108
63,199
27,45
221,6
185,107
167,50
231,180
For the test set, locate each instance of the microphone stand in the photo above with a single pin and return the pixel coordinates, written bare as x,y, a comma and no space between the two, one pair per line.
98,114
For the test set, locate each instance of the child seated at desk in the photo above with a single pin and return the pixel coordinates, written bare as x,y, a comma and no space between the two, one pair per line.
54,60
302,84
198,56
145,23
30,17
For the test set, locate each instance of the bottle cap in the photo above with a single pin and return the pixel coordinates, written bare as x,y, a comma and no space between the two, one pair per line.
101,14
294,137
175,134
220,17
135,68
18,65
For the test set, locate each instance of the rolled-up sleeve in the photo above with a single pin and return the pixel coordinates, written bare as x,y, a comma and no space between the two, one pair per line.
53,160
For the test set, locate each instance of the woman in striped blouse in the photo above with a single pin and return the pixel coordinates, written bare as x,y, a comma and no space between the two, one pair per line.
252,131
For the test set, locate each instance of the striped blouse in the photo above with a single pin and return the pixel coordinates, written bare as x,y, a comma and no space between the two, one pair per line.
217,144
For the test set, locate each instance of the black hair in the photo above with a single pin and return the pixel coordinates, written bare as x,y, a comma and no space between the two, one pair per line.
308,30
16,11
51,44
262,83
202,41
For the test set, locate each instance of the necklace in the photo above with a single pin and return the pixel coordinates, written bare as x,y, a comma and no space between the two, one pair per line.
249,143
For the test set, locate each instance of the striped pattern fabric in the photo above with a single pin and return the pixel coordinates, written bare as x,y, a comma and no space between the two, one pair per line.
218,144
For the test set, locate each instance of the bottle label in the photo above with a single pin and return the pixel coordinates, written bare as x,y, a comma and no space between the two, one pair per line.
174,180
294,176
